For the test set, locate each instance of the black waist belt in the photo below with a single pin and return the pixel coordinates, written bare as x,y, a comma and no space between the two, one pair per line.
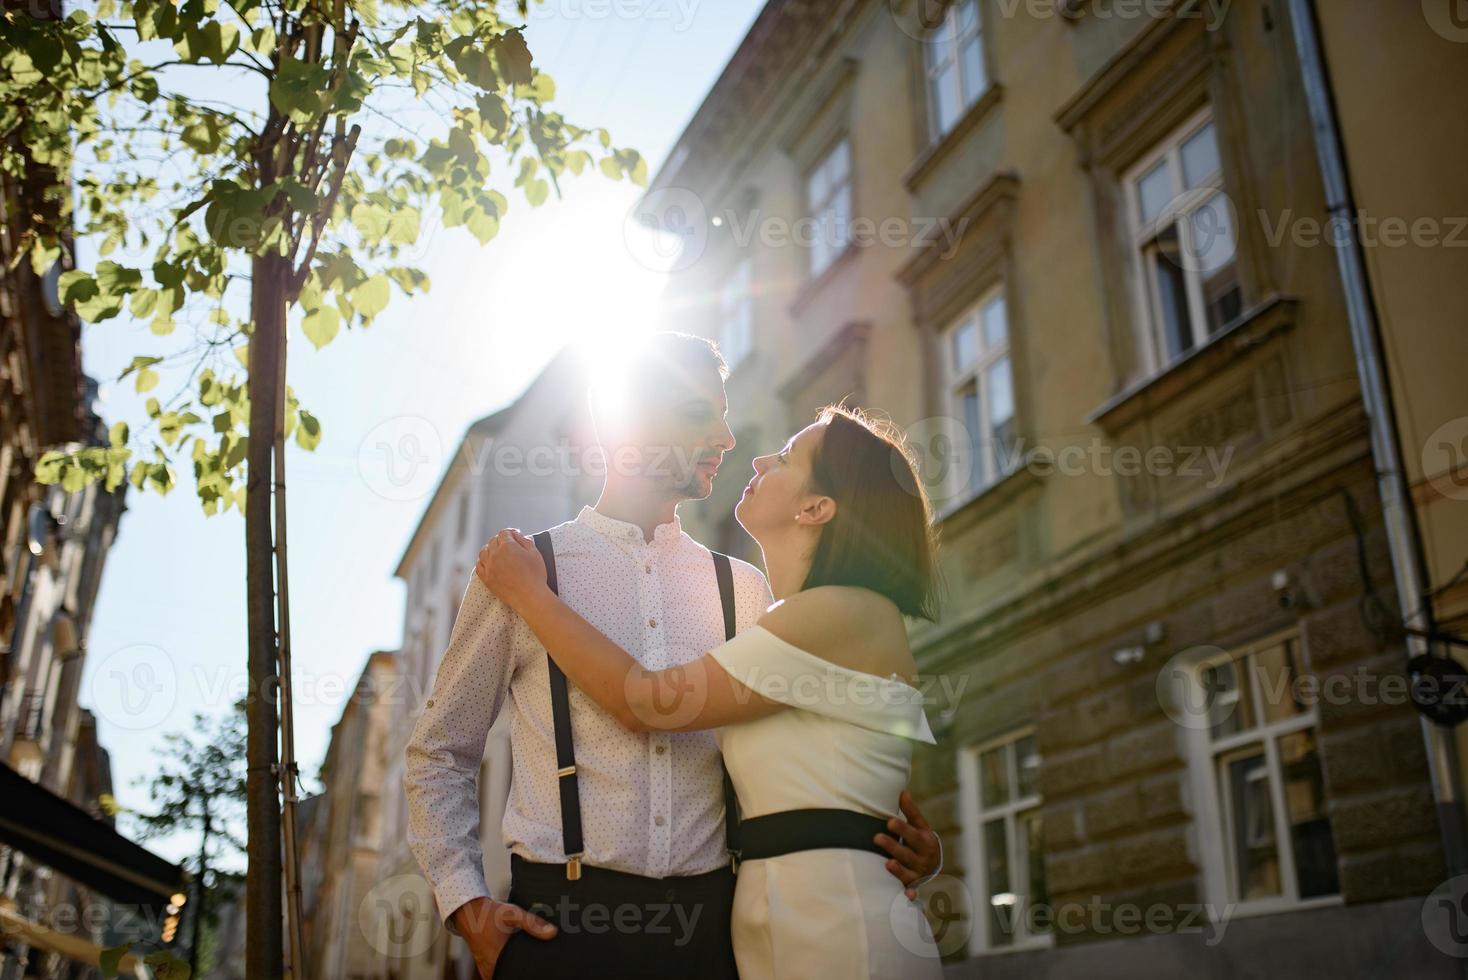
806,830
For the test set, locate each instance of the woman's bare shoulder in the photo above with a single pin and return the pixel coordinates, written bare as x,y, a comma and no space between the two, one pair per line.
852,627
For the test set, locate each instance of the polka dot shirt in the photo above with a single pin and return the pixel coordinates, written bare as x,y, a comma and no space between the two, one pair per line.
651,802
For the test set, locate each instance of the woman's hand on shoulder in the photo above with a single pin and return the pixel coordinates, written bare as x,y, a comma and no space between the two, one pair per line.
510,566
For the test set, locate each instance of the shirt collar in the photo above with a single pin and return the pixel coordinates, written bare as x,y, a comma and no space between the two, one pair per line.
624,533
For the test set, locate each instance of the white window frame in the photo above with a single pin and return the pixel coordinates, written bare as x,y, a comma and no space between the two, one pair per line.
958,377
829,204
974,814
943,48
1214,821
1146,294
736,313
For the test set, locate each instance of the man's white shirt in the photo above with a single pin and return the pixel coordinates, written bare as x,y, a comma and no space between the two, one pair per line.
651,803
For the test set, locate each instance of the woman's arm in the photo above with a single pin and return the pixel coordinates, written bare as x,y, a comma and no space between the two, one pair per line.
692,697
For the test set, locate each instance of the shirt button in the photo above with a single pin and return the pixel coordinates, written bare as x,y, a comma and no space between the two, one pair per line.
430,702
647,569
661,749
653,623
659,821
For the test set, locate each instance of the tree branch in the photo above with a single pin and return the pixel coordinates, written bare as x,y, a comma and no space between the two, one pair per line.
343,152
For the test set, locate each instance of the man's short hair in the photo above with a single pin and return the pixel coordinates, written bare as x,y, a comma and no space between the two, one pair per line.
653,365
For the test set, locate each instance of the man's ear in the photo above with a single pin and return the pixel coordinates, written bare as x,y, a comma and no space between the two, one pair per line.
817,510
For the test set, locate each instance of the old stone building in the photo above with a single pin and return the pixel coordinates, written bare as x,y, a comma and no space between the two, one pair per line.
59,895
1069,246
341,834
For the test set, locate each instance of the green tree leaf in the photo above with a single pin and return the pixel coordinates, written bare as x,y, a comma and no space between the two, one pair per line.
308,433
110,959
321,325
512,56
370,298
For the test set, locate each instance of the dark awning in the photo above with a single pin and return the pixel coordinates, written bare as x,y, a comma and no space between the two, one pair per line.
63,836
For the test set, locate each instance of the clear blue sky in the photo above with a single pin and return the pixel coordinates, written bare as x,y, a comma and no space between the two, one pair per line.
172,595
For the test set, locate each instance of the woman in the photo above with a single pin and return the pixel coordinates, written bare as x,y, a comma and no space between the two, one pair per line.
814,707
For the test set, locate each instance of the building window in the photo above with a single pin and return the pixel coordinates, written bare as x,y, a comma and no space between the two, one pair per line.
463,522
736,314
828,202
1262,766
981,396
1184,240
1000,796
953,57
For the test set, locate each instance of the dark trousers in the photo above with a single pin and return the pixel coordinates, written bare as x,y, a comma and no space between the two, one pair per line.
614,924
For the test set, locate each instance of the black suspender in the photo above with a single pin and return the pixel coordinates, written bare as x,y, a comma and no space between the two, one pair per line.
561,719
565,752
725,575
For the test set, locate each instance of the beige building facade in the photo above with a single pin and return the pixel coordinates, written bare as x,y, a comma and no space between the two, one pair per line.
1082,251
341,836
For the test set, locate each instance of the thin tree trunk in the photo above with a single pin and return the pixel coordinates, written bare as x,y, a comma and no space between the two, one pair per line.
198,930
265,954
292,868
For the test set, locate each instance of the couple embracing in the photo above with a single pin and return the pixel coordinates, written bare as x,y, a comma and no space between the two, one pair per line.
709,766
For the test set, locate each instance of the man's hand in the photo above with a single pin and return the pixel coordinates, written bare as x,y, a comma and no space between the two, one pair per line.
919,854
487,925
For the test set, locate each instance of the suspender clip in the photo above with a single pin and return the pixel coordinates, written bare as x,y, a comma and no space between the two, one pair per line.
573,867
734,861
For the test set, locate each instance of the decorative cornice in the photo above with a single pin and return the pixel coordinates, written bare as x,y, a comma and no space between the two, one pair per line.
817,283
1337,441
998,192
959,516
801,116
852,333
930,159
786,33
1122,66
1253,327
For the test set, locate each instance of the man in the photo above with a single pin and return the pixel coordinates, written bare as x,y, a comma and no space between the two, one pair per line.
642,885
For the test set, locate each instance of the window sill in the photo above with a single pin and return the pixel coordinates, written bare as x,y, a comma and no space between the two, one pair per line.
962,513
1281,906
943,147
818,282
1251,328
1035,944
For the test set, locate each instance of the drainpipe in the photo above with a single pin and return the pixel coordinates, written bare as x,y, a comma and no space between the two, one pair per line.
1408,564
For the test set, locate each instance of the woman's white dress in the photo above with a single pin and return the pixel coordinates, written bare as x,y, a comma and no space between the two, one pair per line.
847,743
